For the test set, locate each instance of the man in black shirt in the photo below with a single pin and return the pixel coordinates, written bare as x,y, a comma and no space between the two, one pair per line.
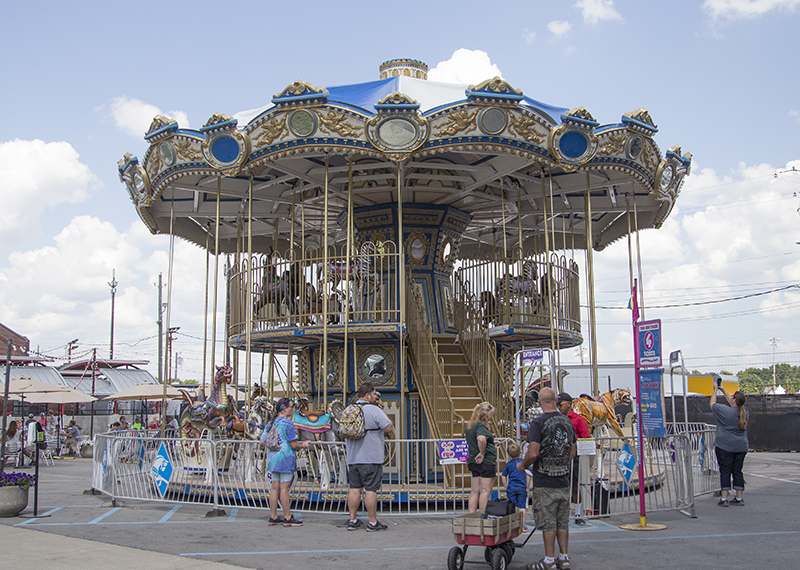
551,448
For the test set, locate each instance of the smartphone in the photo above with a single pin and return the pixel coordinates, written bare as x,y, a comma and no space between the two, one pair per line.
719,382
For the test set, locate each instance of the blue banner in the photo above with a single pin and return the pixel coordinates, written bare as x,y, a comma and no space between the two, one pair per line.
652,403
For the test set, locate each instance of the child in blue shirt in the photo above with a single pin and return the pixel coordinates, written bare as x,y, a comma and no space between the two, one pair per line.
515,481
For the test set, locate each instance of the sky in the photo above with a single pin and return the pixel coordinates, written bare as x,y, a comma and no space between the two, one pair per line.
83,80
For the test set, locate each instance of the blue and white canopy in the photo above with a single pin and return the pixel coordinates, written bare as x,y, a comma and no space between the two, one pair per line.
487,150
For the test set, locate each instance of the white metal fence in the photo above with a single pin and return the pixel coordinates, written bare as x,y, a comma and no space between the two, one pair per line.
233,474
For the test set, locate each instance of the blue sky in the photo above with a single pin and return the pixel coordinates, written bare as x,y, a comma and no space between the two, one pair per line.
82,80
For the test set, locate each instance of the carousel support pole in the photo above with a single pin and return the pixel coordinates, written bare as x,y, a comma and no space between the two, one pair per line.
249,297
590,280
205,312
556,308
323,365
216,280
401,370
349,263
169,311
548,281
519,222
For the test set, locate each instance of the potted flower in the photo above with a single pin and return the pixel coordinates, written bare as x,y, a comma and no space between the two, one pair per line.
14,492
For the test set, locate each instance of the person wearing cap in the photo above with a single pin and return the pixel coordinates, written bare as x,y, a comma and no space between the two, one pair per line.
551,448
564,403
365,460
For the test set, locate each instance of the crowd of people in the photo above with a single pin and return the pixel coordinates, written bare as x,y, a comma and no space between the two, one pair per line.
23,435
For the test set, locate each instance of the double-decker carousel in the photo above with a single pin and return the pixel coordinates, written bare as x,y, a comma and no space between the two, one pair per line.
411,233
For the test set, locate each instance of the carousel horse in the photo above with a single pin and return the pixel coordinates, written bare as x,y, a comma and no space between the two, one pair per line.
601,412
325,460
213,412
488,306
260,412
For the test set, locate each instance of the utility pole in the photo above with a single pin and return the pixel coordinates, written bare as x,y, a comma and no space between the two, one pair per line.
71,345
160,322
774,341
113,284
170,338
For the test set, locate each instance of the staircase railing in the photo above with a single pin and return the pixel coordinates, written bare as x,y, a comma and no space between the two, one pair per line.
428,367
481,355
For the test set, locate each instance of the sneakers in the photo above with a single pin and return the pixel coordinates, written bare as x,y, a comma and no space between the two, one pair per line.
723,503
542,565
292,522
275,521
579,521
376,527
354,525
738,502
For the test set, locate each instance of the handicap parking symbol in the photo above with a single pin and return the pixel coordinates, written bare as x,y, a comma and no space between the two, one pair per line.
162,470
626,463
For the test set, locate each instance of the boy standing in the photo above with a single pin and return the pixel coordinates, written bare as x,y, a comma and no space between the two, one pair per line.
515,481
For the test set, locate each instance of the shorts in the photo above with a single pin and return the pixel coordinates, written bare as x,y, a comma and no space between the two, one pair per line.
551,508
365,476
282,477
483,470
519,498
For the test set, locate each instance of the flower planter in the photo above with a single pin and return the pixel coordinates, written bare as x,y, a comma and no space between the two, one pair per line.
87,451
13,500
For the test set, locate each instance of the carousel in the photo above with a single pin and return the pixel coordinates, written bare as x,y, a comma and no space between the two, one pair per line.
407,232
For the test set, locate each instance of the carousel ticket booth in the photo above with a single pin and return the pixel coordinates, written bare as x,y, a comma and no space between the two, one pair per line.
410,233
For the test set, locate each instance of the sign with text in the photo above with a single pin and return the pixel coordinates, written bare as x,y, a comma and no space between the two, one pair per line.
453,451
651,402
648,342
532,355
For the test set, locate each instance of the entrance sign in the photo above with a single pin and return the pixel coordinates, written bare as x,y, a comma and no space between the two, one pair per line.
652,402
648,340
532,354
453,451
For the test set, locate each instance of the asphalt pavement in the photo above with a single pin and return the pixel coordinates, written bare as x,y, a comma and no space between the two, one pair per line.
79,530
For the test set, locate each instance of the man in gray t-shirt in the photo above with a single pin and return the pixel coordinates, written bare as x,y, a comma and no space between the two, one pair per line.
365,460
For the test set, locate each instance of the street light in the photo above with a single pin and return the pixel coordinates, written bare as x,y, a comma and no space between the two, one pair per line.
774,341
71,345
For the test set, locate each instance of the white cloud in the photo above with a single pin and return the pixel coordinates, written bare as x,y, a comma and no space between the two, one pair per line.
528,36
134,116
795,114
745,9
559,28
594,11
61,292
465,66
35,175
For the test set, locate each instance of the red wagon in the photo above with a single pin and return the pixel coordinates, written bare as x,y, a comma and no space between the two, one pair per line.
495,534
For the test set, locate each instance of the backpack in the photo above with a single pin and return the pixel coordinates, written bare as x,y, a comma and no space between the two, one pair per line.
273,440
351,425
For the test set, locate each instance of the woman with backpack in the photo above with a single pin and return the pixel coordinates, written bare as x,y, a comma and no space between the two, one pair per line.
281,440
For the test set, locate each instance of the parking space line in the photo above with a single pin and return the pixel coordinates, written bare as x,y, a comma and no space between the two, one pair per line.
410,548
108,514
167,516
232,516
774,478
34,519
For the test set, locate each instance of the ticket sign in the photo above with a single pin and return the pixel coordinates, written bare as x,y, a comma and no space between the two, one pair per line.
648,341
453,451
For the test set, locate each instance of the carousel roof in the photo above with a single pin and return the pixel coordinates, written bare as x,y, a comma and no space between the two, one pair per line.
486,150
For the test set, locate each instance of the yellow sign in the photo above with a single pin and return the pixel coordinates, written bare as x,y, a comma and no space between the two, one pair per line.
705,384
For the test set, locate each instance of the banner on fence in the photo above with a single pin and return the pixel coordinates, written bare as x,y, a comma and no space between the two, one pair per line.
453,451
626,463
